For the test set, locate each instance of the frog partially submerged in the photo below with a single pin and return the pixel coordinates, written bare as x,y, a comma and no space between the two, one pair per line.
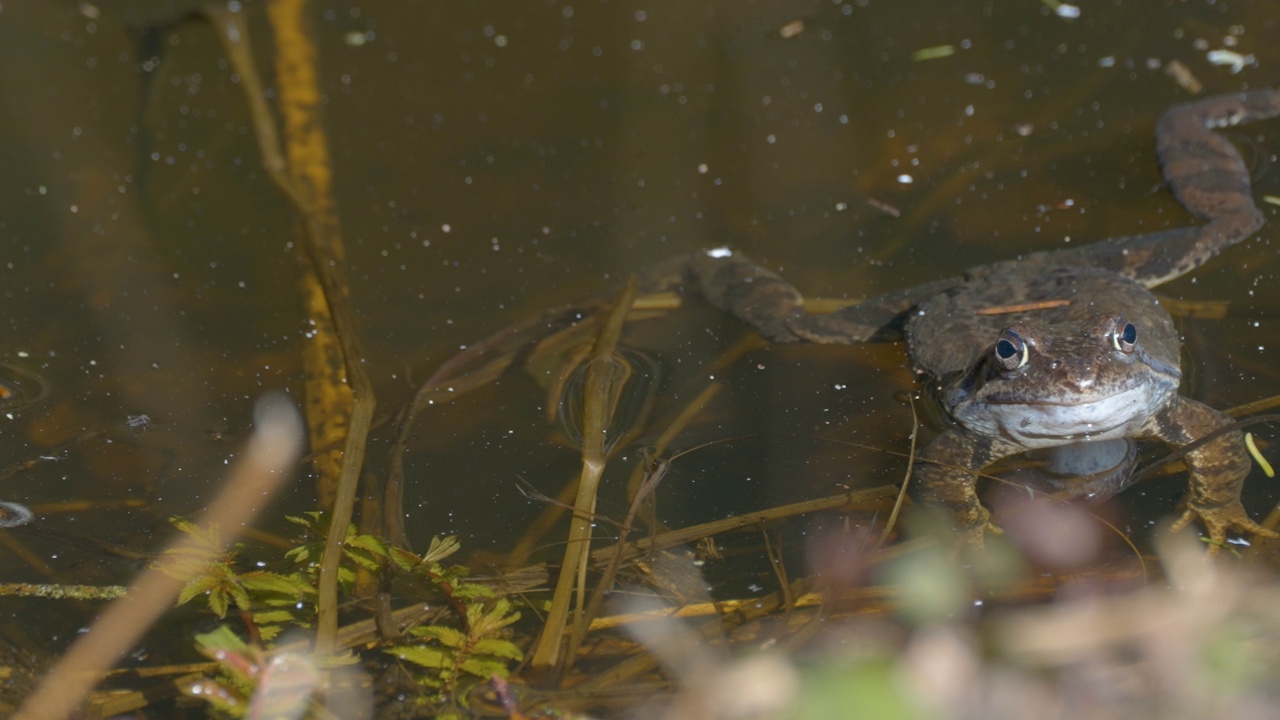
1076,350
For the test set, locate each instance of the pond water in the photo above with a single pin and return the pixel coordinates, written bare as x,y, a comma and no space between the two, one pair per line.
493,160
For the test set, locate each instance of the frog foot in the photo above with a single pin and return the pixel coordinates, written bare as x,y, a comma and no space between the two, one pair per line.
1218,520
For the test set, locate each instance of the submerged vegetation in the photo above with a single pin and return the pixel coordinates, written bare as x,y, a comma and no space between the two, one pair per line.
444,660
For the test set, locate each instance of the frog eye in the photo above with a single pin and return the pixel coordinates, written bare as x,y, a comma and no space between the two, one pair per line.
1011,350
1124,336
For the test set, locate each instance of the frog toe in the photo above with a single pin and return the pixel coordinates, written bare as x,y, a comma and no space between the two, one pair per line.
974,534
1219,521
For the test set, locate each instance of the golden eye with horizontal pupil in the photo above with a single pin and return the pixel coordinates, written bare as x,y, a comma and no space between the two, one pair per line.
1011,350
1124,336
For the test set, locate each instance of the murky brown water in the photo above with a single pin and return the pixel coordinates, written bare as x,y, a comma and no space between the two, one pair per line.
494,159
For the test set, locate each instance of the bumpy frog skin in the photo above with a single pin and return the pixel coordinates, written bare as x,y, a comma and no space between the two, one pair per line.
1099,359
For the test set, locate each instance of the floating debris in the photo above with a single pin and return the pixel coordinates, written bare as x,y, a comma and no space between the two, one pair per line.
357,38
884,207
791,29
1062,10
1182,75
933,53
138,423
1257,456
1231,58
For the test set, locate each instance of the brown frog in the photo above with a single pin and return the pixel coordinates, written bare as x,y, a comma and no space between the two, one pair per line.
1089,356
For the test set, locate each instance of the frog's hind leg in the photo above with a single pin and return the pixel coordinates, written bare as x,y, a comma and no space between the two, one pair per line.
1205,171
1208,176
761,298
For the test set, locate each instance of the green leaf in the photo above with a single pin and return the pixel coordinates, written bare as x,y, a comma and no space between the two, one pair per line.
198,586
239,595
482,667
271,617
431,682
428,657
200,541
343,659
269,582
362,558
447,636
488,622
218,601
498,647
403,559
311,520
222,639
473,591
367,542
301,554
441,548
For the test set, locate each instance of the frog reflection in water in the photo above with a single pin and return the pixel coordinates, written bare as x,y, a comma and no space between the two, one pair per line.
1089,356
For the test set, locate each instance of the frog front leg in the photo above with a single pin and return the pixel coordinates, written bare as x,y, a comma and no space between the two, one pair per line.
1217,469
946,476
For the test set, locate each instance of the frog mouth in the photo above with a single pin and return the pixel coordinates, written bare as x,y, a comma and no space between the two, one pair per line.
1041,422
1137,391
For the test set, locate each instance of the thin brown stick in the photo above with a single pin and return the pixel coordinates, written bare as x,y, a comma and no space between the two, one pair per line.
906,480
693,533
1021,307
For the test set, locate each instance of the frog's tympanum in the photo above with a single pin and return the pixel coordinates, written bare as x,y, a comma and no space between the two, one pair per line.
1088,355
